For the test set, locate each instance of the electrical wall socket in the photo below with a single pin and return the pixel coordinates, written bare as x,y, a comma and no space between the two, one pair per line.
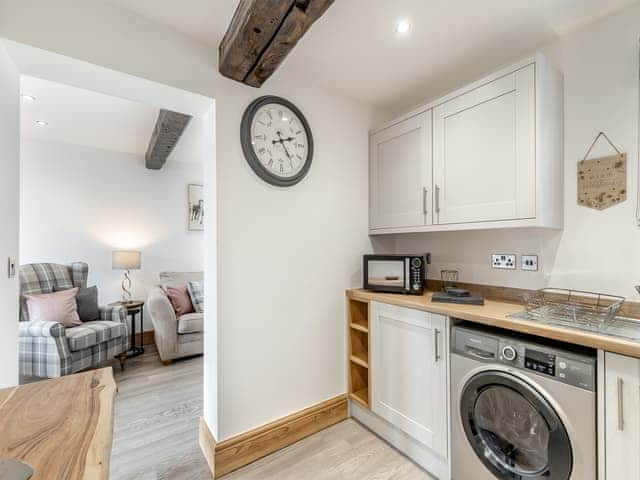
503,261
11,267
529,262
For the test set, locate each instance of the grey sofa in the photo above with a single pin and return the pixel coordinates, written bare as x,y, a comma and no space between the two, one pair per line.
48,349
175,337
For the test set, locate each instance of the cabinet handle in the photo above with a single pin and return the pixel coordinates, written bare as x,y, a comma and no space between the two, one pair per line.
424,200
620,405
436,336
437,199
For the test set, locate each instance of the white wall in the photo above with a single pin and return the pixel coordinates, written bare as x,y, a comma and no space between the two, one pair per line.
80,204
9,198
285,256
597,251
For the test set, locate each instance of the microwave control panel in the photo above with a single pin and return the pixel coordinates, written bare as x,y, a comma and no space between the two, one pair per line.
417,274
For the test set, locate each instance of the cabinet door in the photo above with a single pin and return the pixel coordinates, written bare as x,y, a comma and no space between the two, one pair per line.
484,152
400,170
622,417
409,372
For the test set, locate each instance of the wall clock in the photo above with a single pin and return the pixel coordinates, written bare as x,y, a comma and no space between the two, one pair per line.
276,141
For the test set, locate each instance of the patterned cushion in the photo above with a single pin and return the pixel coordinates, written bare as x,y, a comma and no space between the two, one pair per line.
191,323
93,333
196,292
91,357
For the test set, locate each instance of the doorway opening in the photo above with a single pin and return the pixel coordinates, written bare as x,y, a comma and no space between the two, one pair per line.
99,219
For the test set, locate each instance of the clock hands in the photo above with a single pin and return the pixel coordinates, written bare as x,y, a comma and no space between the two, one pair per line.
281,141
286,151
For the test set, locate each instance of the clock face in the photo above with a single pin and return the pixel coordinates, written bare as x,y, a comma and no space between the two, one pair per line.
277,141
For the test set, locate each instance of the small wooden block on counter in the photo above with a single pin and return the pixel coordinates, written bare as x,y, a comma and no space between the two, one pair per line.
62,428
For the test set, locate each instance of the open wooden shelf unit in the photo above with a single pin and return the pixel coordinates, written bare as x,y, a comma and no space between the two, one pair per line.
359,371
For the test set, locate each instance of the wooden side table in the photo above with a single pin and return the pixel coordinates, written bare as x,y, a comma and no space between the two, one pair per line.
134,308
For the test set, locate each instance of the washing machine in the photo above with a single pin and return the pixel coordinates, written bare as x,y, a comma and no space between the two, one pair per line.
521,407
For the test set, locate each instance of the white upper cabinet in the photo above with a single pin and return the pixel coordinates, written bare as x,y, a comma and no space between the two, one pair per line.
484,152
400,174
492,157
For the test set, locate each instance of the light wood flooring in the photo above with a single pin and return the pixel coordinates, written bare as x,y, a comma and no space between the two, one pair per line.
156,435
346,451
156,420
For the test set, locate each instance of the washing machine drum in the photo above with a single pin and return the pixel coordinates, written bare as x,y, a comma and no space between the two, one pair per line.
513,429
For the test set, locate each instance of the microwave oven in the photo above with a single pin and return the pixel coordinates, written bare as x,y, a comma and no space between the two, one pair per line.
395,273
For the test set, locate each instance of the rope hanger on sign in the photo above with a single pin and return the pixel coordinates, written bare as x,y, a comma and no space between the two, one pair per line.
601,134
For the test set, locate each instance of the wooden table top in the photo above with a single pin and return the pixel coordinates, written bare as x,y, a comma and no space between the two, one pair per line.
496,313
62,428
132,305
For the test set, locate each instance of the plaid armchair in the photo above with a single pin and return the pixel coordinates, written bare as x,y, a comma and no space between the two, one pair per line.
48,349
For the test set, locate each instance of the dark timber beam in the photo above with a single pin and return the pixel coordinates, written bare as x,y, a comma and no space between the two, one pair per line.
261,35
169,128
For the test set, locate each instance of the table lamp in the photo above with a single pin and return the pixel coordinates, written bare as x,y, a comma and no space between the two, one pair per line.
126,260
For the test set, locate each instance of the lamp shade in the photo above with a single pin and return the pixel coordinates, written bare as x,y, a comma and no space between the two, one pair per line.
126,260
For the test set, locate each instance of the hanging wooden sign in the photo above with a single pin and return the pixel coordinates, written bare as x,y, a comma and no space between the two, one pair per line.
602,182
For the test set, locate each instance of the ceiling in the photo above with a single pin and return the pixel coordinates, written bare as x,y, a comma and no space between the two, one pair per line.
354,50
81,117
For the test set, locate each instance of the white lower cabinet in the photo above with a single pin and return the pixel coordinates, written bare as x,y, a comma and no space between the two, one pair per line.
409,372
621,417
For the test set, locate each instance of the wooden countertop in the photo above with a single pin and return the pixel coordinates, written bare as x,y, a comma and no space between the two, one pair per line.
63,427
495,313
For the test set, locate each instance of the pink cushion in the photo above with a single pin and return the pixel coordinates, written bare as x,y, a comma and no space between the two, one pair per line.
58,307
179,297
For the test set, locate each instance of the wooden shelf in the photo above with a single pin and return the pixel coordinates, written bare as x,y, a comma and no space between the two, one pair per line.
359,327
361,396
360,359
359,373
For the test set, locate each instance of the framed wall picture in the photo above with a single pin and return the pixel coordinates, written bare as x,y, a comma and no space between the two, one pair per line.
196,207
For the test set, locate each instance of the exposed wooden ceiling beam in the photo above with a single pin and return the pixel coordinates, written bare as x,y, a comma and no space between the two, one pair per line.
169,128
261,35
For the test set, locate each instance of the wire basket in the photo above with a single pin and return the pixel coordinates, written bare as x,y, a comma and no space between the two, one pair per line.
572,306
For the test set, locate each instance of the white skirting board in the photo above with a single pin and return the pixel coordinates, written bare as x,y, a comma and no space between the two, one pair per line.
431,462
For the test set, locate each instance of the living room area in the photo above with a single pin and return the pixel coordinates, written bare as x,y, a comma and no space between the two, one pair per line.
111,271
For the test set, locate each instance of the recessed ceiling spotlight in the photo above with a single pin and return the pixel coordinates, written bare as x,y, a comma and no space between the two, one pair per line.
403,27
41,123
28,98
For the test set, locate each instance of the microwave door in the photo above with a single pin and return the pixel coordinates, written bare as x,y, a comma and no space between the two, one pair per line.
386,274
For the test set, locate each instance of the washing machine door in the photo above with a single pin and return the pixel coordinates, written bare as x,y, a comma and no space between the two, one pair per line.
513,429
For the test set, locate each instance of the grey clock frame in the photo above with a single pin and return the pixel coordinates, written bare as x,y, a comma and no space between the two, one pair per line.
249,153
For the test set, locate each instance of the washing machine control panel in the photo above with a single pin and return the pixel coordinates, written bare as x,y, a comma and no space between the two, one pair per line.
540,361
577,368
